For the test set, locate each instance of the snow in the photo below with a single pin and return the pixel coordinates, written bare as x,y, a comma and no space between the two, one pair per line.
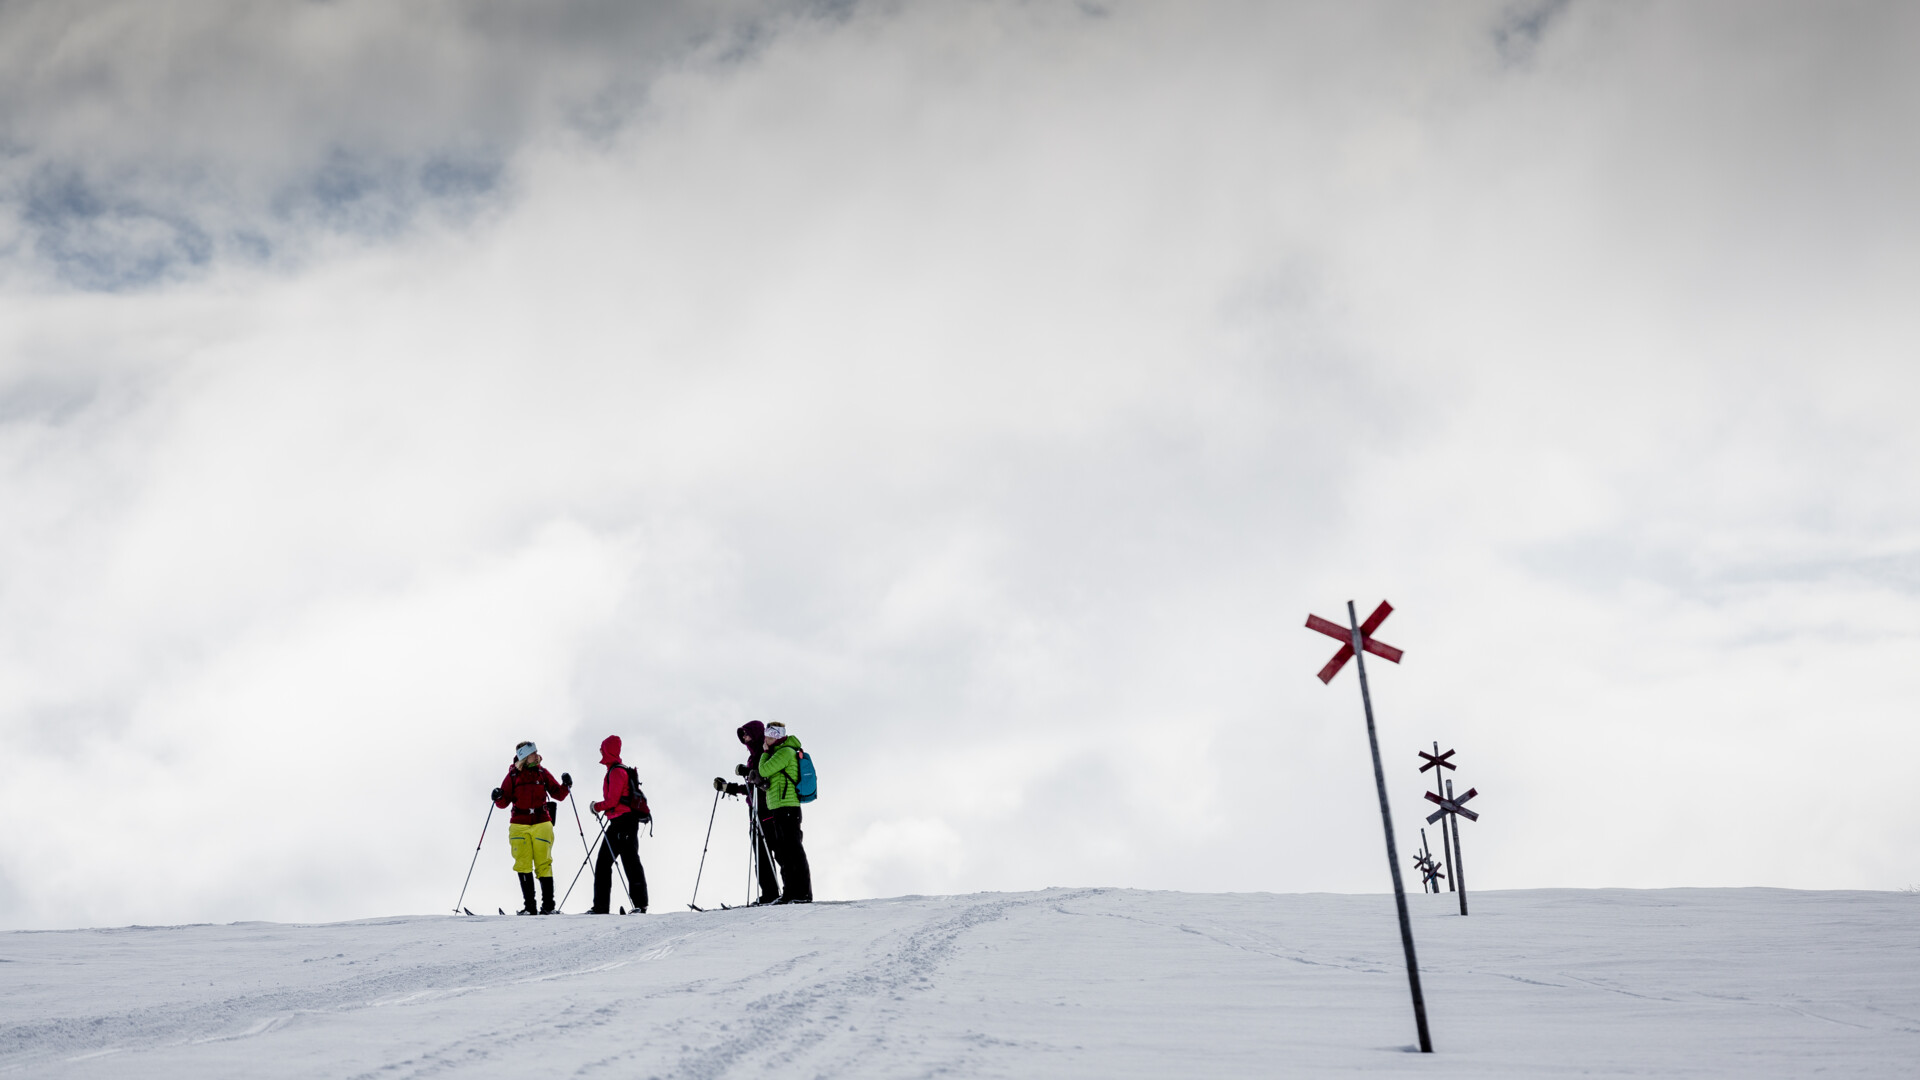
1059,983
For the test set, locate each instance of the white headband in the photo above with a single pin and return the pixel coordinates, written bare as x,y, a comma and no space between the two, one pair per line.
524,751
776,730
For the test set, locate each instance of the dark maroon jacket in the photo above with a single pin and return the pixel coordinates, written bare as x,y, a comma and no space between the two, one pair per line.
526,790
752,735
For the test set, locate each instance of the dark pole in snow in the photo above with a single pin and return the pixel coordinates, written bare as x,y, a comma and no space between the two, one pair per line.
1439,788
1386,824
1425,863
1459,867
1420,854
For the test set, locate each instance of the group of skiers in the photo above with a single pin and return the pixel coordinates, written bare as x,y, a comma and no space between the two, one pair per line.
773,772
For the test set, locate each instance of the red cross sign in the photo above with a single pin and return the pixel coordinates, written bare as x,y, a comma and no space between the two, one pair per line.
1452,806
1344,636
1440,761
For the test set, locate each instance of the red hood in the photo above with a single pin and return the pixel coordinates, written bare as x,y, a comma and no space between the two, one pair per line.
750,734
610,750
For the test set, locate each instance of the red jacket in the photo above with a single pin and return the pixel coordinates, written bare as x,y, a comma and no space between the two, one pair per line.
614,787
526,790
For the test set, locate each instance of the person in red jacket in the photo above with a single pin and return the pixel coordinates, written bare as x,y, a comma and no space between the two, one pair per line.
527,788
625,808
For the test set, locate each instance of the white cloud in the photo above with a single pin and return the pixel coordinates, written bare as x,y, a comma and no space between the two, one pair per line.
989,391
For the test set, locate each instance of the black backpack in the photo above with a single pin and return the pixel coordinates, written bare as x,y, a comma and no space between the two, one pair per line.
635,799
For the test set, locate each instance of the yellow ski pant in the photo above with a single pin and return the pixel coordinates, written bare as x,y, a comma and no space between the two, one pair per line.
532,848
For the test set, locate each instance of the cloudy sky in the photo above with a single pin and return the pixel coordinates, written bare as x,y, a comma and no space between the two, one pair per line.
986,389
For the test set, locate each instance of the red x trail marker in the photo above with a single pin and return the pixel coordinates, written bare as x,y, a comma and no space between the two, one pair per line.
1344,636
1440,760
1356,635
1452,806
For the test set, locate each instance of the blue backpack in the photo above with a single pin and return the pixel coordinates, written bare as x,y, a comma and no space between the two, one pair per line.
809,786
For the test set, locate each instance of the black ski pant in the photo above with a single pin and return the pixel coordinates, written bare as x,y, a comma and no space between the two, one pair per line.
784,833
763,858
622,839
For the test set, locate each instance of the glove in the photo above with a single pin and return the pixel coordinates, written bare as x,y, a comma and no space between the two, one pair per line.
566,779
739,770
498,794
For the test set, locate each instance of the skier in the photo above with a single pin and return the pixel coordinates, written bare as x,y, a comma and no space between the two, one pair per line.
753,735
530,835
780,764
625,808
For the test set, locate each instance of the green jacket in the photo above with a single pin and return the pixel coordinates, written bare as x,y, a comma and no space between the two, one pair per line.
782,766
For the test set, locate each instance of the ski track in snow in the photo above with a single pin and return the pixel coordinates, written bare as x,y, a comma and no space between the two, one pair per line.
1064,982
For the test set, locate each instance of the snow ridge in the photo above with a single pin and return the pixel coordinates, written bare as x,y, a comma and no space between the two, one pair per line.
1064,982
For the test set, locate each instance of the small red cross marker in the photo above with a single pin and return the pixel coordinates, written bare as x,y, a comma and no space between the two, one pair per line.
1344,635
1440,761
1452,806
1429,869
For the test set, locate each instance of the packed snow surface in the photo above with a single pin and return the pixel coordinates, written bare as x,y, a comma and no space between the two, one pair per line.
1066,982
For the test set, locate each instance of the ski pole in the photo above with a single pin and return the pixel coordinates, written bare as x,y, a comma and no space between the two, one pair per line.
757,850
703,847
619,871
583,862
577,824
583,842
583,865
476,858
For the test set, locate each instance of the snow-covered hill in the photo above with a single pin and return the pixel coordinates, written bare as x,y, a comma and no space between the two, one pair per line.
1066,982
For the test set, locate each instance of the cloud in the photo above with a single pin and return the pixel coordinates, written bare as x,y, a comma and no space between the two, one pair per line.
143,142
988,391
1521,26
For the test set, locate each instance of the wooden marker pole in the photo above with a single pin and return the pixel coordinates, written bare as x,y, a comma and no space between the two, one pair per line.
1420,863
1386,824
1449,815
1429,870
1358,639
1459,855
1438,762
